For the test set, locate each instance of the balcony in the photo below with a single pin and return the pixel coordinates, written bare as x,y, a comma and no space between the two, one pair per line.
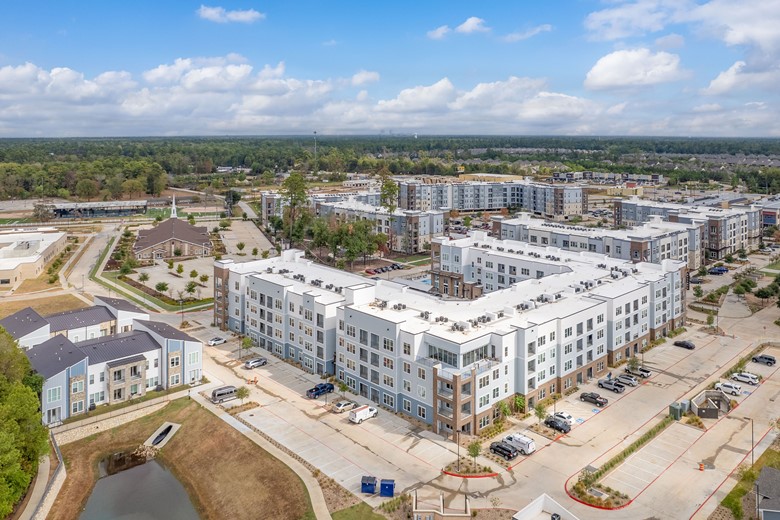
443,391
445,412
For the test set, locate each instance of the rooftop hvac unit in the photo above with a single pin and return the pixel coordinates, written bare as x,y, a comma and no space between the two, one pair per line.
557,296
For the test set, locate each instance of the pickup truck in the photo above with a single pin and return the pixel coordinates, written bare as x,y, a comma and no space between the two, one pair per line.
594,398
318,390
639,372
612,384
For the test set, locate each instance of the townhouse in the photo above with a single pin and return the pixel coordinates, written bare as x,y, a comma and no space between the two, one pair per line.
609,177
727,230
407,231
105,354
653,241
555,323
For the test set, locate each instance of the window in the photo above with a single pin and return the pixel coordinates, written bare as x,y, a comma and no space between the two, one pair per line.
389,345
421,391
53,394
407,385
194,358
363,337
77,407
567,365
133,389
495,393
420,412
407,349
600,318
102,376
388,381
567,349
175,361
407,367
567,332
119,375
388,400
77,387
97,397
118,394
174,379
407,405
351,331
92,379
445,356
484,400
421,373
388,363
484,381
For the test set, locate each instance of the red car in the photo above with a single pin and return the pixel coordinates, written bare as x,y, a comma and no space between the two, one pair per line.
370,271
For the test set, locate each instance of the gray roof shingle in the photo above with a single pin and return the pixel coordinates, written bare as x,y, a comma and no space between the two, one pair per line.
23,322
120,304
165,330
769,482
172,228
118,346
54,355
126,361
79,318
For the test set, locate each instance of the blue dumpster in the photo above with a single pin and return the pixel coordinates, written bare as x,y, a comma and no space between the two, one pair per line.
387,488
368,485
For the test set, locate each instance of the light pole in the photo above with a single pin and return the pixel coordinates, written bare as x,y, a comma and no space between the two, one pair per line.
315,152
181,311
752,446
457,435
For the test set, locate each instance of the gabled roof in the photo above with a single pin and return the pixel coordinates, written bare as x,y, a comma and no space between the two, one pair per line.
54,355
769,483
23,322
79,318
165,330
118,346
120,304
126,361
172,228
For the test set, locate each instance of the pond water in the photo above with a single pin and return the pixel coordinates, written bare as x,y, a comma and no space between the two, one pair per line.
145,492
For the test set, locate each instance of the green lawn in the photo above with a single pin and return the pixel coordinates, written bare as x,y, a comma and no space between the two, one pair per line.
733,500
141,296
361,511
14,220
410,259
774,265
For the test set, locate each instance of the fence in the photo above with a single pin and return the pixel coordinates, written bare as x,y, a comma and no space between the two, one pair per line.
52,487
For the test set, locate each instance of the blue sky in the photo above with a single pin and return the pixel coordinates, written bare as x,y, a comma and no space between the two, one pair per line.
592,67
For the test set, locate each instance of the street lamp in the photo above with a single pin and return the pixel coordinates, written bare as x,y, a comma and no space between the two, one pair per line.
457,434
181,311
315,152
752,446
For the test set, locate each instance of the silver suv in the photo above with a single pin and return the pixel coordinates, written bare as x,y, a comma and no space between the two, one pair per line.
255,362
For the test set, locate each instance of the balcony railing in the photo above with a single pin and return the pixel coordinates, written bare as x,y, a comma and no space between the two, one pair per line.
446,412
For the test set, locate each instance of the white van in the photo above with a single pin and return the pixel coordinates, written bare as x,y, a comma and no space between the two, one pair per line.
224,393
361,413
525,445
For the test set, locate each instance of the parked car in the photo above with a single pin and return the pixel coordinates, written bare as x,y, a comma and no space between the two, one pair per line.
503,449
343,406
525,445
217,341
628,380
745,377
685,344
361,413
729,388
594,398
639,372
256,362
370,271
766,250
717,271
612,384
557,424
565,417
318,390
696,280
765,359
397,266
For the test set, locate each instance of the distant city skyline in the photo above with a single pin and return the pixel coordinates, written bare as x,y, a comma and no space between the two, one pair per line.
562,67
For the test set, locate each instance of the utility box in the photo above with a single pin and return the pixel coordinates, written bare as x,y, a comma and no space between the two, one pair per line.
368,485
387,488
686,406
675,410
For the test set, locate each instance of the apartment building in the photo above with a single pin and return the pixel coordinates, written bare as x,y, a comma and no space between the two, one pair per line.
544,200
408,231
727,230
558,322
272,203
653,241
82,374
609,177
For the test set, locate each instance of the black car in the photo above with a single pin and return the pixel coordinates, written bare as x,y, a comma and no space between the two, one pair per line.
696,280
558,424
503,449
593,397
765,359
684,344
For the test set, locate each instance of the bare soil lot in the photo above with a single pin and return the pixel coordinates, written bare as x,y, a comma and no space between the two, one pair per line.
225,474
43,306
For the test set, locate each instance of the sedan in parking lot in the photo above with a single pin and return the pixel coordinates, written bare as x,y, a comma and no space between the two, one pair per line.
217,341
565,417
370,271
557,424
684,344
343,406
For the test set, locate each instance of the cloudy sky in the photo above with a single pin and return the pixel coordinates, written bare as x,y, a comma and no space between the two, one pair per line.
579,67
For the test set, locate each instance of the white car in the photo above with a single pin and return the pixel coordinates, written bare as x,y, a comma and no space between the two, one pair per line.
627,379
565,417
745,377
217,341
729,388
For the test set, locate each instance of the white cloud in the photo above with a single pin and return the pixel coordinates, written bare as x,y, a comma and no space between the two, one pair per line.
637,18
745,22
670,41
421,98
634,68
221,15
617,109
364,76
472,25
272,72
708,107
439,33
530,33
499,94
741,77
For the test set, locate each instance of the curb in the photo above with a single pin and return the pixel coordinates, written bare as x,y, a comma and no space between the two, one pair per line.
458,475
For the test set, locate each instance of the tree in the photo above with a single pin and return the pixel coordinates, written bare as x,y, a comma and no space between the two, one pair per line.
204,278
190,288
474,449
265,253
519,403
240,246
467,222
86,189
242,393
503,409
729,258
42,213
294,194
246,343
193,274
343,387
698,292
126,268
161,287
254,251
633,363
177,251
143,277
180,269
224,223
170,264
702,271
540,412
740,291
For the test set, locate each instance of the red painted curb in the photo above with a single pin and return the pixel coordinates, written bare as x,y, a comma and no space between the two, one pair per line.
451,474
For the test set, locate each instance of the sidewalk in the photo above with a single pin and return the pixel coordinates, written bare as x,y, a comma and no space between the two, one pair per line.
38,489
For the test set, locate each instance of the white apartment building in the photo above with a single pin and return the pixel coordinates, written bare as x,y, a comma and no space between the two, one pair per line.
653,241
558,323
407,231
727,230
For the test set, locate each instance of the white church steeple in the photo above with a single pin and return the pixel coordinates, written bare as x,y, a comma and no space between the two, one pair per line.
173,208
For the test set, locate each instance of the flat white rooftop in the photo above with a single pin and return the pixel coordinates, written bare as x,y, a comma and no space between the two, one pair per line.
656,227
20,247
